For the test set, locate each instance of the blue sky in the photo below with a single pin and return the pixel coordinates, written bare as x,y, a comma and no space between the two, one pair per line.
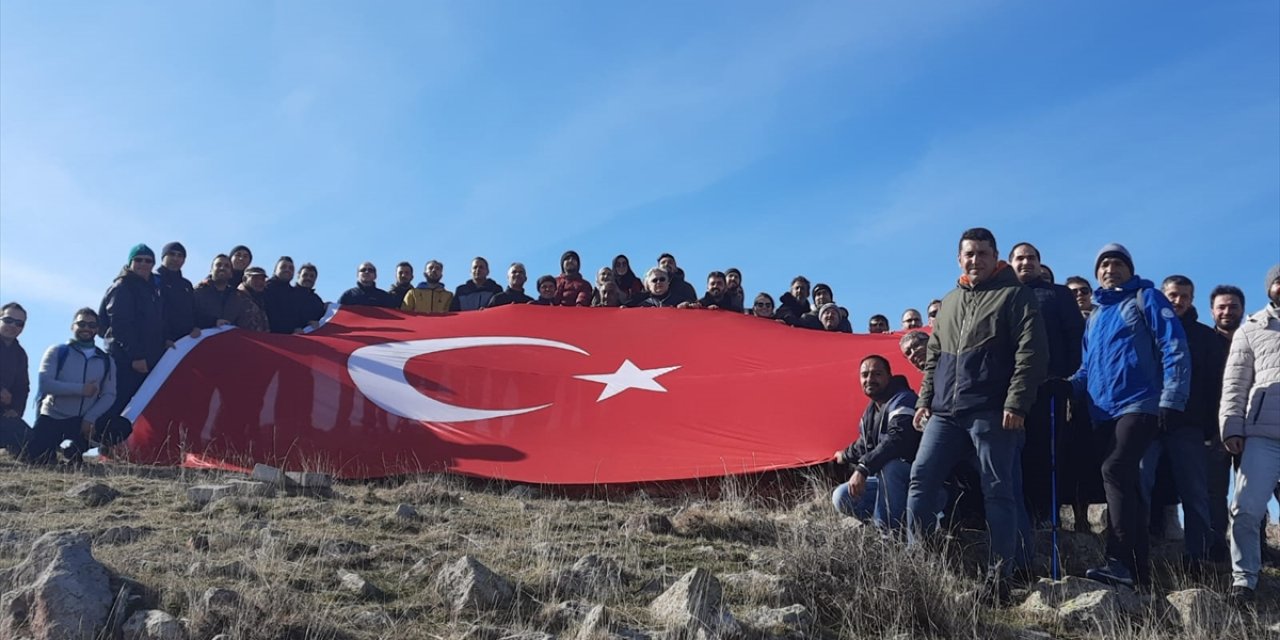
850,142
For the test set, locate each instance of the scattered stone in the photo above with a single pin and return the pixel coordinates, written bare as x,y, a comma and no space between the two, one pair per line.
120,535
524,492
217,598
528,635
233,570
559,617
93,494
198,542
203,494
592,576
372,619
350,521
484,632
58,591
468,584
654,523
1032,634
427,493
1198,609
786,621
310,480
1100,610
405,512
692,603
597,623
1049,597
253,488
357,585
153,624
718,522
269,475
756,585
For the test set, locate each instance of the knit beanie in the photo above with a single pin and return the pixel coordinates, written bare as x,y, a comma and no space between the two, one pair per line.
173,247
829,305
566,255
1273,274
1114,250
141,250
822,287
240,247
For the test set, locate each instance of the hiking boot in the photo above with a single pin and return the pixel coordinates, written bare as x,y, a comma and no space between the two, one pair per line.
1241,598
1113,573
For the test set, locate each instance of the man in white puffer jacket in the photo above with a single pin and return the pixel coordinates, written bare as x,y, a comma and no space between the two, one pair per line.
1250,419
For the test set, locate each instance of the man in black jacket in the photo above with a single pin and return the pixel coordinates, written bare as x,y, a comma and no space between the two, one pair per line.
1227,305
793,304
131,319
310,305
279,300
177,295
682,294
516,277
366,291
404,282
475,293
717,294
1183,445
885,448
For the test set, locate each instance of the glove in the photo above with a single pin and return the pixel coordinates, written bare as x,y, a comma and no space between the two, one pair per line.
1170,419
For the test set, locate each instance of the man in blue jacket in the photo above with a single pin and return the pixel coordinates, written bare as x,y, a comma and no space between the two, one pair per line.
884,451
1137,373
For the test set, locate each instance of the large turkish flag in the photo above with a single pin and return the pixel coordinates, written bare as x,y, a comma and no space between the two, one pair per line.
536,394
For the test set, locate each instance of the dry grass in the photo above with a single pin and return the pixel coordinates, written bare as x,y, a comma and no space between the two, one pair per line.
282,555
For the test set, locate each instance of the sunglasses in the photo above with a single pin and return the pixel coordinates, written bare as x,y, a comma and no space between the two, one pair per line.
145,260
658,280
764,304
13,321
87,325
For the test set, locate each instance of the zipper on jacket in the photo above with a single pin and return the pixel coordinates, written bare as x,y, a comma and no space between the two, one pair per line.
965,323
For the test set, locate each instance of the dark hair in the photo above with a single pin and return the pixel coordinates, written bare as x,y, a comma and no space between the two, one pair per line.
1078,280
1015,247
732,270
241,247
934,301
666,255
284,259
915,335
220,255
765,295
405,264
1178,280
308,265
1045,268
879,358
716,274
13,305
978,234
1226,290
551,279
799,279
481,259
86,311
877,317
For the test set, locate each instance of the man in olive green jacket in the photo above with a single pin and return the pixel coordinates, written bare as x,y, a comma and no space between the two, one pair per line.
987,355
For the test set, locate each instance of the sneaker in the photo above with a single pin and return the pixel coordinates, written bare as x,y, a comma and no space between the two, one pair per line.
1113,573
1241,597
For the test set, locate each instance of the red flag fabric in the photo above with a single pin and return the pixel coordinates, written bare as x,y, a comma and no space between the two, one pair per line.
529,393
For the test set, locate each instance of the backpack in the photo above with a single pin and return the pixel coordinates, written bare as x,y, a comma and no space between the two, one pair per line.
61,359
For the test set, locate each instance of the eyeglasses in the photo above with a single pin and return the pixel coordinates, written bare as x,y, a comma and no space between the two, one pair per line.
764,304
14,321
144,260
87,325
658,280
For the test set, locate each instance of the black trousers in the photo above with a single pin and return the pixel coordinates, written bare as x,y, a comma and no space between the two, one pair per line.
49,432
1123,442
1046,421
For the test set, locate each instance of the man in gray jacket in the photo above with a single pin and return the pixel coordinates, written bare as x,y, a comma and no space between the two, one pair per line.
77,385
1250,418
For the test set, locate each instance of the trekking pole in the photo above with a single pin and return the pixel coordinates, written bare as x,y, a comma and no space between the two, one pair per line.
1053,482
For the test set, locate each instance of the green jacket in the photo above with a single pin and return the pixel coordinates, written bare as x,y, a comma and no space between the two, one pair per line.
989,349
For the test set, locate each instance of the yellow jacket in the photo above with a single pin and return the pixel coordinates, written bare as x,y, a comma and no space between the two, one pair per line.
422,300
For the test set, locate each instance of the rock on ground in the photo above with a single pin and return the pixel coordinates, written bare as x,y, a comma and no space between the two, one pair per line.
467,584
58,591
592,576
692,603
1198,609
152,624
356,584
93,494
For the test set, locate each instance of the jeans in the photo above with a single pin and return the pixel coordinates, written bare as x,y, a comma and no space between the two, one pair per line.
949,440
1185,448
1124,443
1255,481
884,499
1218,469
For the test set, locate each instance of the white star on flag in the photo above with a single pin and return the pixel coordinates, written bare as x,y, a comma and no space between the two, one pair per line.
628,376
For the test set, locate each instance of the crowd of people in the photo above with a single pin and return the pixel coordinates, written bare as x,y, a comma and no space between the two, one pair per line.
1033,393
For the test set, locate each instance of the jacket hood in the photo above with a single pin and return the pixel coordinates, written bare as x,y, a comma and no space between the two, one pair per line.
1129,288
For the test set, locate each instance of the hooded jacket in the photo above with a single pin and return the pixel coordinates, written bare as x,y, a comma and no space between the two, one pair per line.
398,292
510,296
310,305
791,310
683,291
427,298
178,299
988,349
886,433
1135,355
1063,325
280,302
1251,385
14,376
212,305
131,319
370,296
63,397
470,296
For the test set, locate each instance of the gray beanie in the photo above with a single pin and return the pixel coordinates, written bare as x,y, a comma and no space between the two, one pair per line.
829,305
1113,250
1273,274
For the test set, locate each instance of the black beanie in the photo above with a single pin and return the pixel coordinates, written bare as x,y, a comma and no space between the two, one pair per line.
172,247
